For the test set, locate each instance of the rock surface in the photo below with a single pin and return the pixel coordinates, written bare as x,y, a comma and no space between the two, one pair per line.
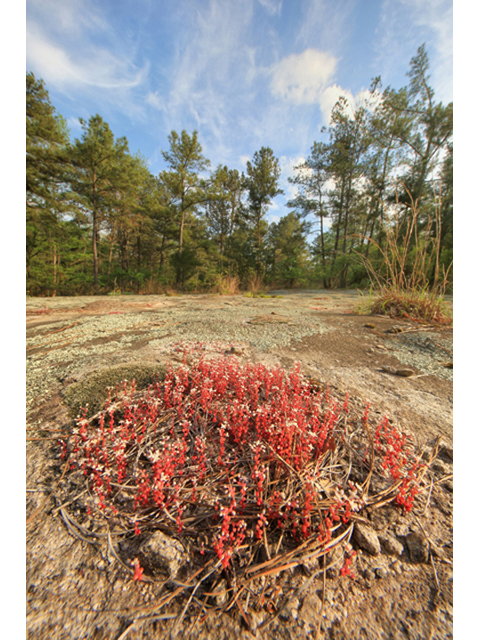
367,538
417,546
70,593
164,555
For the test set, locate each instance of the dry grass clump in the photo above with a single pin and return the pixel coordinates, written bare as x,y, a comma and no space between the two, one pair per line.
227,285
410,256
255,283
254,470
411,304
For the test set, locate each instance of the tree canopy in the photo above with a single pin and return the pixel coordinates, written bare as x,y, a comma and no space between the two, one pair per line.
99,221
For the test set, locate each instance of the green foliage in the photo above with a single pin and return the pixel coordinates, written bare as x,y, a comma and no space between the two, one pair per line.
98,221
261,182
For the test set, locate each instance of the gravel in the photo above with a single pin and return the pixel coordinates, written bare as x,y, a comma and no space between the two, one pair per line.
426,352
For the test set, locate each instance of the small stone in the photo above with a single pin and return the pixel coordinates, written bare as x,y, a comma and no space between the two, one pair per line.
381,573
222,594
163,554
417,547
405,373
446,449
368,574
440,466
118,586
292,608
391,545
396,567
390,370
427,453
367,538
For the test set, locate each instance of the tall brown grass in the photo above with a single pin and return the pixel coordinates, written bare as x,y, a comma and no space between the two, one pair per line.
401,286
227,285
255,283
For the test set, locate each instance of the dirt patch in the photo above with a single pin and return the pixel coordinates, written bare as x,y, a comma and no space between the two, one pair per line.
76,589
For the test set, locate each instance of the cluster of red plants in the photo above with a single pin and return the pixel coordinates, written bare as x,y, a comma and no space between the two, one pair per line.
398,462
226,453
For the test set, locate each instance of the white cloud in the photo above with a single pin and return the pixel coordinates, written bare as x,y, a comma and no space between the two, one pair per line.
97,68
303,78
287,166
62,47
155,100
330,97
74,124
272,6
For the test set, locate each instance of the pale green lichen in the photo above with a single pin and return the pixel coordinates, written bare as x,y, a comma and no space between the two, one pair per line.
92,390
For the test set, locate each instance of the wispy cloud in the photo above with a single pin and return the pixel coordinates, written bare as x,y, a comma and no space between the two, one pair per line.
96,68
62,48
406,24
273,7
211,61
437,16
326,22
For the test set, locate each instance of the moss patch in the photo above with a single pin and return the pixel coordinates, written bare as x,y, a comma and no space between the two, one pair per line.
93,388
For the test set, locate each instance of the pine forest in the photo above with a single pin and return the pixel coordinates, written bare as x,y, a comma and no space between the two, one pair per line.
373,204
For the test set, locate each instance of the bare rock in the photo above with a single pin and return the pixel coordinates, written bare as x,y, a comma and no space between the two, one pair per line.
164,555
311,606
402,530
405,373
418,547
367,538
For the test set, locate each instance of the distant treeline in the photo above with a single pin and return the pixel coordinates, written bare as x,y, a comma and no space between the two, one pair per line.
98,221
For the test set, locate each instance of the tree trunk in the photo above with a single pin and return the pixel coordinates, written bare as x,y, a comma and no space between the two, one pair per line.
95,232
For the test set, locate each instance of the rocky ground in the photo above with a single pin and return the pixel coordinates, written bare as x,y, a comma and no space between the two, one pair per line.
403,572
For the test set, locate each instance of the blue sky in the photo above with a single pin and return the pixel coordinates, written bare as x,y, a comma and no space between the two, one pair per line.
243,73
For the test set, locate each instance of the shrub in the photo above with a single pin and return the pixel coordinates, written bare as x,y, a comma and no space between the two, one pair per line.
255,469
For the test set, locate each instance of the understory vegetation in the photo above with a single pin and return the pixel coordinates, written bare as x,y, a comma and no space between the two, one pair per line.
373,204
